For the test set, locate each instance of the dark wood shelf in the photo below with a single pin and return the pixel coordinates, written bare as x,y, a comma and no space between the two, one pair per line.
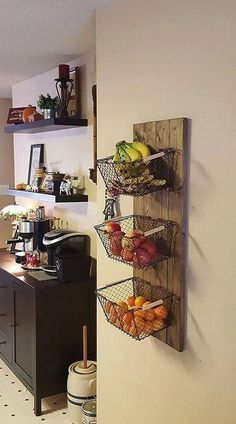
47,197
53,124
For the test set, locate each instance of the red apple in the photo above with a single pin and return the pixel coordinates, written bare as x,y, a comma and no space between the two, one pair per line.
127,243
112,226
138,241
150,246
115,242
142,258
127,255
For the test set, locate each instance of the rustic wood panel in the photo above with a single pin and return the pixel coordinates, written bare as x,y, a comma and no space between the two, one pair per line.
168,205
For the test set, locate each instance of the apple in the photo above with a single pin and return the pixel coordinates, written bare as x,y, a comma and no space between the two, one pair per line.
115,242
126,255
112,226
150,246
133,239
127,243
138,241
134,233
142,258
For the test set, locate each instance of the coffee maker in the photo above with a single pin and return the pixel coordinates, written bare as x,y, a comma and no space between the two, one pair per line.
60,242
30,234
68,256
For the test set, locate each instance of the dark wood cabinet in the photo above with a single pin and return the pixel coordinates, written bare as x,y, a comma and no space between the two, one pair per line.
41,327
23,331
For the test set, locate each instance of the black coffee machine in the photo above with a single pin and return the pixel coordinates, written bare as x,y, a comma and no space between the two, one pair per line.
68,254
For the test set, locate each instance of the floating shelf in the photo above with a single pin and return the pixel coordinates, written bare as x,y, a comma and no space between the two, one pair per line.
47,197
53,124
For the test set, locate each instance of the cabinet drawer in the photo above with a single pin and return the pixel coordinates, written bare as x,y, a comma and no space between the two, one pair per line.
6,346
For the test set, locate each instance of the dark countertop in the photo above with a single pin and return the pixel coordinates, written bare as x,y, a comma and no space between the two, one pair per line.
8,264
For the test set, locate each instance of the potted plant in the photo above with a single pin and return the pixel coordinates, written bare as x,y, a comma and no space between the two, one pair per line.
48,105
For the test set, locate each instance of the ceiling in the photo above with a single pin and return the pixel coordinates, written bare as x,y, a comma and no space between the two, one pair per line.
35,36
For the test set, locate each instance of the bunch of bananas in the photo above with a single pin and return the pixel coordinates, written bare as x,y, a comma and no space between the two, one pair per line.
129,152
129,156
134,172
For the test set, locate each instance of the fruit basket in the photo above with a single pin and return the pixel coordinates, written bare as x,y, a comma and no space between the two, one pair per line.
139,177
136,307
136,240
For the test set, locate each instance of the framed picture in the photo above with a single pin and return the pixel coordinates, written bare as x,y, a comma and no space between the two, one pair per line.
15,115
74,102
36,157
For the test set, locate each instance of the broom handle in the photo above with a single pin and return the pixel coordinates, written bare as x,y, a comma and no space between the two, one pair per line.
85,346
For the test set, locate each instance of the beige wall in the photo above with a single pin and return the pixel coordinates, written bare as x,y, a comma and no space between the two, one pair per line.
6,167
156,60
70,151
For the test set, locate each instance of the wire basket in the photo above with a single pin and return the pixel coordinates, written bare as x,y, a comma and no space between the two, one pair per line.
118,303
140,177
136,240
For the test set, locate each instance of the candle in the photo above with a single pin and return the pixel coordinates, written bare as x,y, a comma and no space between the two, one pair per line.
64,72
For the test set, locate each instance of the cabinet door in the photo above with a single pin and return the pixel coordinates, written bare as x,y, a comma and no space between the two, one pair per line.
6,346
23,335
6,308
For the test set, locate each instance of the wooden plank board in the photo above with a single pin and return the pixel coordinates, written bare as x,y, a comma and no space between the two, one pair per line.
168,205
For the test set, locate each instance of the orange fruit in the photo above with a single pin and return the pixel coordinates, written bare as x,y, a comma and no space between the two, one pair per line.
108,306
161,311
139,313
147,328
127,319
133,331
139,301
126,328
140,324
146,303
157,324
118,323
123,305
149,315
131,300
113,315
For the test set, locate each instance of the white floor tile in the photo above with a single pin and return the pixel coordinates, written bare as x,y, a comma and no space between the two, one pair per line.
16,403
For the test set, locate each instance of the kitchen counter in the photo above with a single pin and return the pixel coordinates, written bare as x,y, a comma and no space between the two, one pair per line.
41,327
8,264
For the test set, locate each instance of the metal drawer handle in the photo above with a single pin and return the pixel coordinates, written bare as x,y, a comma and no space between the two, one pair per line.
2,315
2,343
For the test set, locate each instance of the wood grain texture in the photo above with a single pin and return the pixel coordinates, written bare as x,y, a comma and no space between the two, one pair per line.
168,205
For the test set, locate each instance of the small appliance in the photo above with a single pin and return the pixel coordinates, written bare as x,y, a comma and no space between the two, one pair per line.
61,242
30,233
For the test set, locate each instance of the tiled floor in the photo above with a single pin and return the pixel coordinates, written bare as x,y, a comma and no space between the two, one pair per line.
16,403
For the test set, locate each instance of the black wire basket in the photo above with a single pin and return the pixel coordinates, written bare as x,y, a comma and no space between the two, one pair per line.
139,241
119,300
140,177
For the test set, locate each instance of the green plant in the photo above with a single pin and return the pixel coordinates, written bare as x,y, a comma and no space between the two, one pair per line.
48,102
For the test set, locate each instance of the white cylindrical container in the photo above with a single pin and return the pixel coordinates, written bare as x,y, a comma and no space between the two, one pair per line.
81,386
89,412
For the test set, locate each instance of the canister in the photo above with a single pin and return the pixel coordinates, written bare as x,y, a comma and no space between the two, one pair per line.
81,387
89,412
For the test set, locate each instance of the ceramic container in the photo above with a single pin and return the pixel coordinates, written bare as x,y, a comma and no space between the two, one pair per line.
81,386
89,412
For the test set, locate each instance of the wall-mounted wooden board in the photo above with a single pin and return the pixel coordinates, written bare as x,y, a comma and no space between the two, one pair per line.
168,205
